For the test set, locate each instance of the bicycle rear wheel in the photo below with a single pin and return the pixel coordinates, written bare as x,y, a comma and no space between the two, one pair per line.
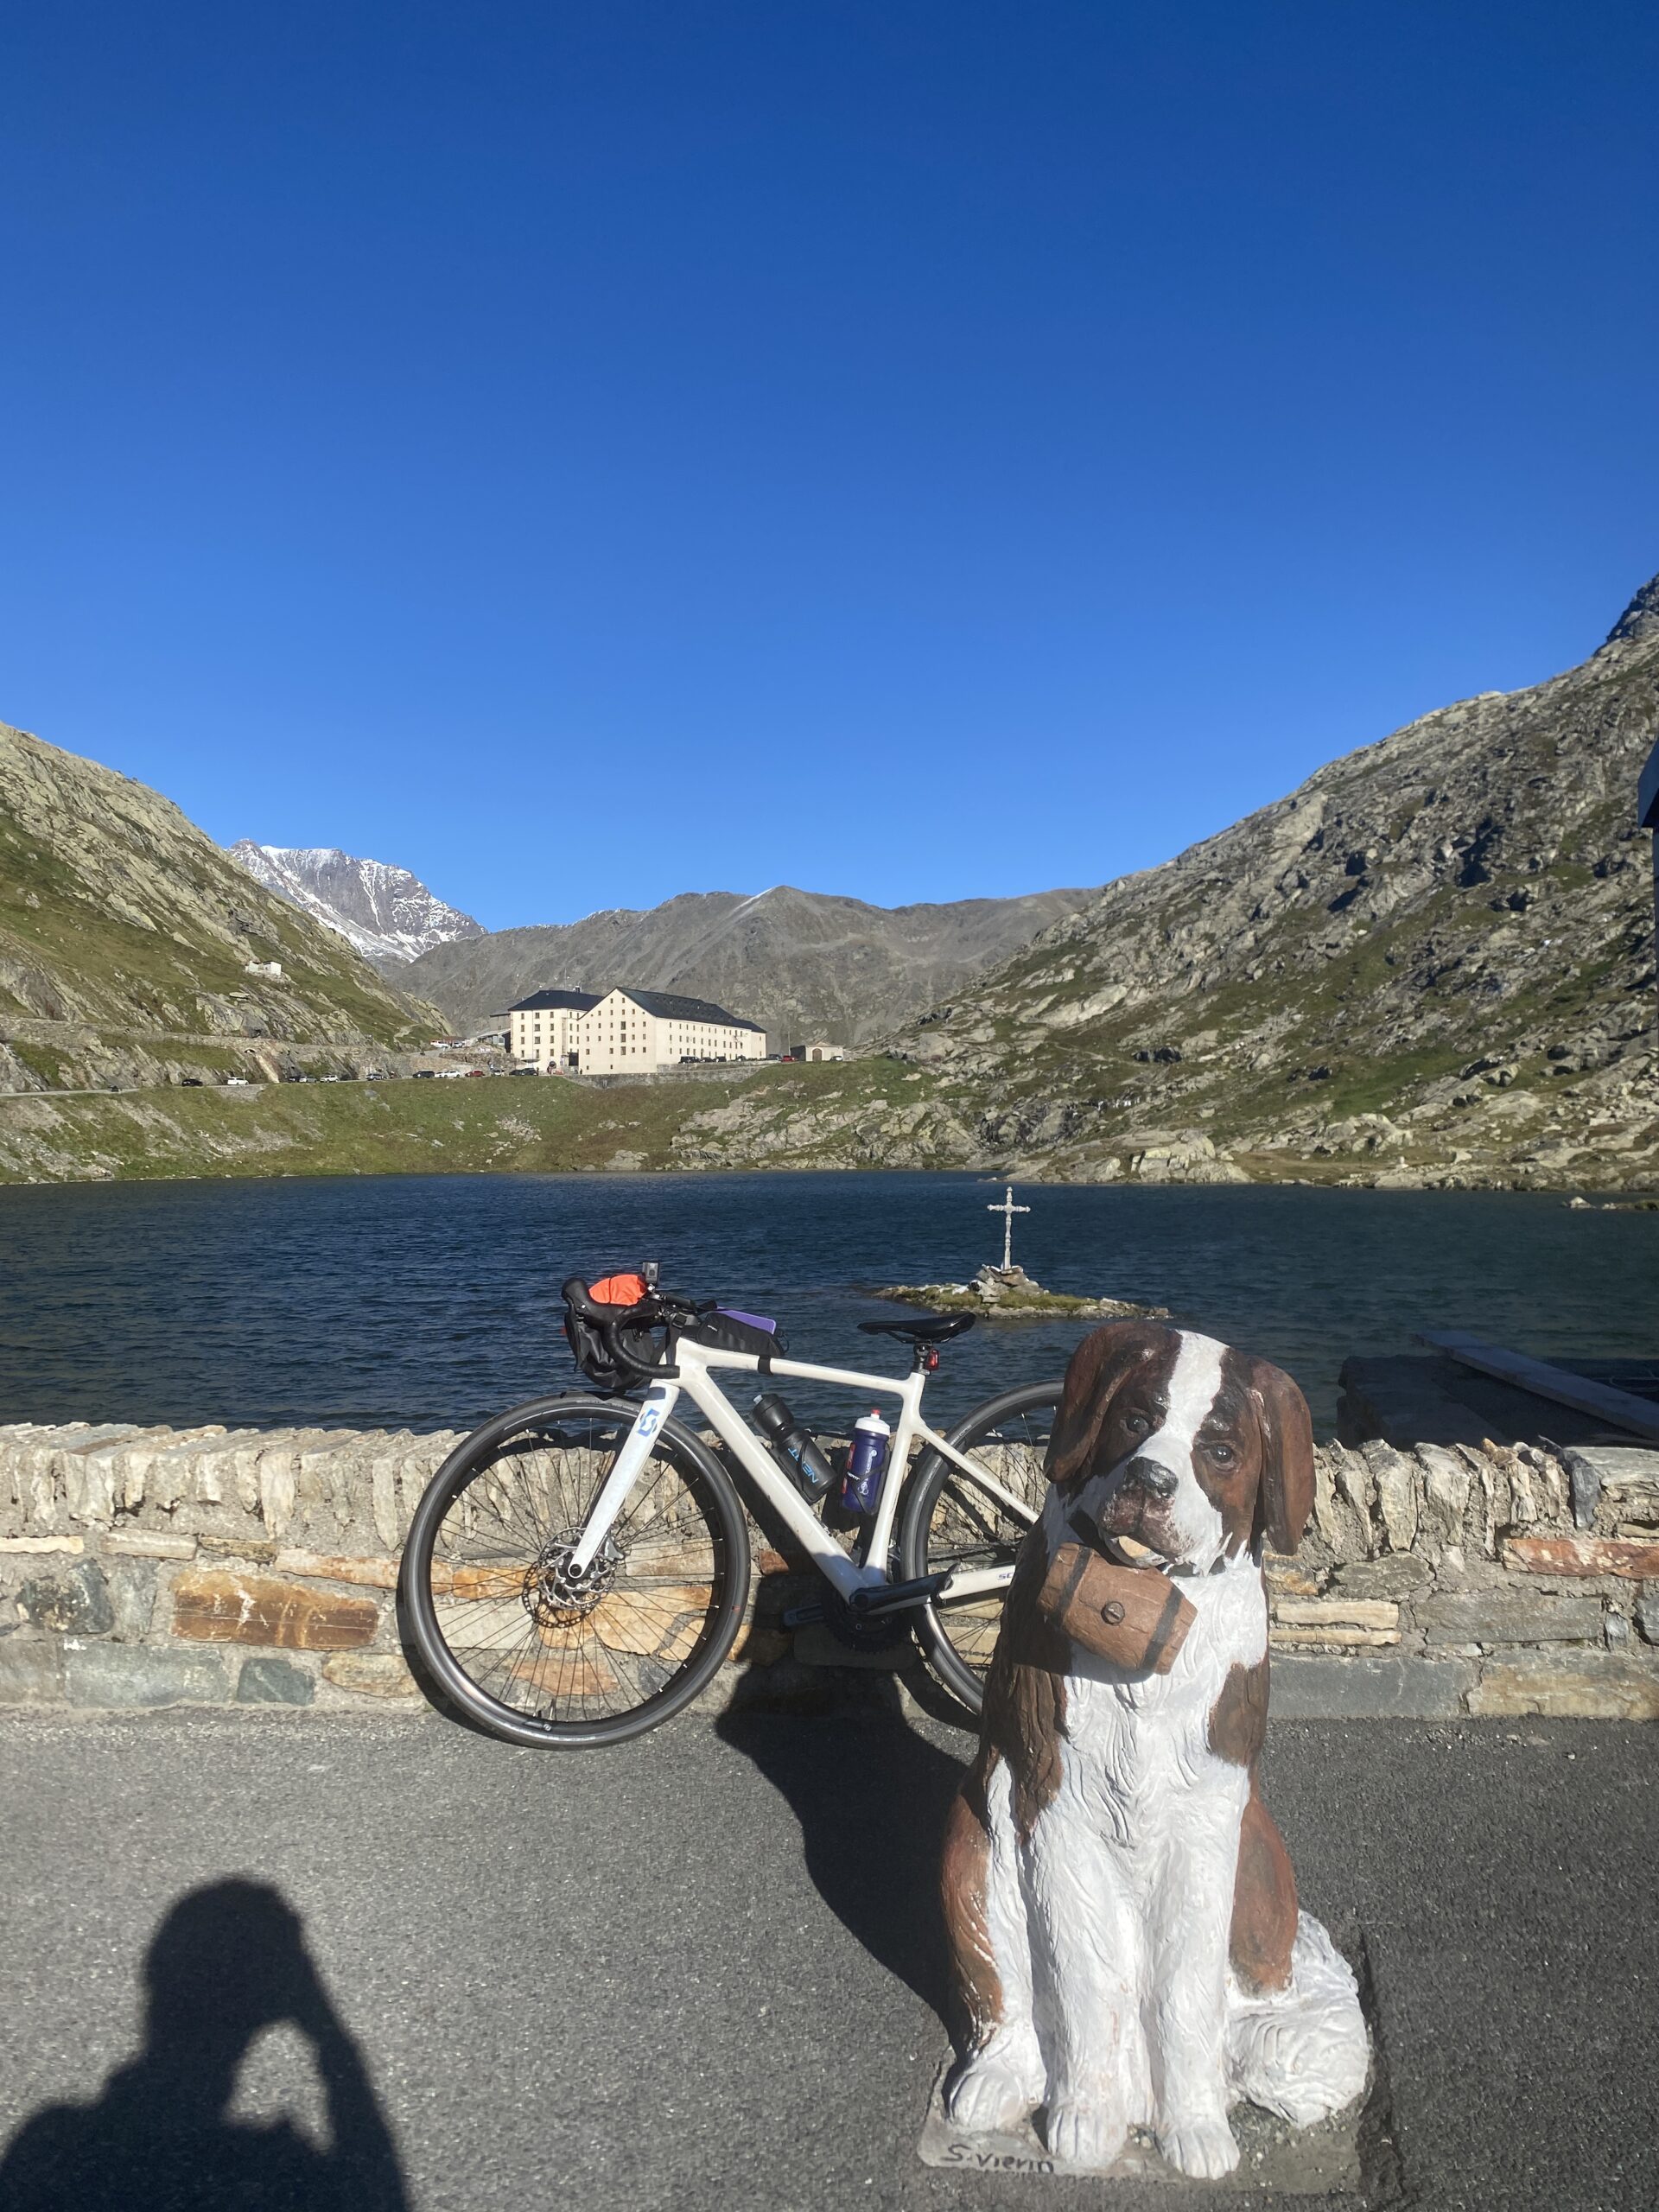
948,1523
535,1654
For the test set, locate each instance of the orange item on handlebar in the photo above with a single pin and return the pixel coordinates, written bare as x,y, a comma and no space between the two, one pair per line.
617,1290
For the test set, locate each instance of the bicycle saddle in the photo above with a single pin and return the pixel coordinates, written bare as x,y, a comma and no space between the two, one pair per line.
929,1328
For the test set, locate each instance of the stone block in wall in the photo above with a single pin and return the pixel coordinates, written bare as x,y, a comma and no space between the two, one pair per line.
369,1573
1647,1616
1487,1510
149,1543
1398,1481
1342,1484
1445,1501
1508,1617
31,1670
266,1680
371,1674
220,1606
1290,1578
41,1547
72,1600
251,1551
1308,1688
1615,1488
1336,1638
1395,1575
1583,1685
139,1674
132,1597
1350,1623
1584,1555
275,1470
382,1492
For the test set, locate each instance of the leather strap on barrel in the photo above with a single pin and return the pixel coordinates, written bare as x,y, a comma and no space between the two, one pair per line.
1080,1567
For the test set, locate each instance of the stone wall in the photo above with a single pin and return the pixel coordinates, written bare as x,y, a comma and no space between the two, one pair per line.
1458,1579
148,1567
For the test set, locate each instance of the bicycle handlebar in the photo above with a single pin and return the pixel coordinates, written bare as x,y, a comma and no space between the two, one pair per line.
658,1309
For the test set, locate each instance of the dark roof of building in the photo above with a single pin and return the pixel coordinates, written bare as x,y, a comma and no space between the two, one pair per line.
668,1007
581,1001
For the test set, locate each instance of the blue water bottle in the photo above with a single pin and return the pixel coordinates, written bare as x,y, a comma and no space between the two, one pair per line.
865,1462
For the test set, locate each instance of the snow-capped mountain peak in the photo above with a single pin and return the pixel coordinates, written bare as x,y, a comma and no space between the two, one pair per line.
386,913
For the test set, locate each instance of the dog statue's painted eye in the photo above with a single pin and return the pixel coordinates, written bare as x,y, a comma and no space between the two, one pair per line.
1137,1424
1221,1452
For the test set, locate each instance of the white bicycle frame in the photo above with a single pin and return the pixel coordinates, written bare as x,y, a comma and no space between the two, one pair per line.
695,1379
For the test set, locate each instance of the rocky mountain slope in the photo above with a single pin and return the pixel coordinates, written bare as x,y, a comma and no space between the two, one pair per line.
386,913
1433,963
802,964
126,938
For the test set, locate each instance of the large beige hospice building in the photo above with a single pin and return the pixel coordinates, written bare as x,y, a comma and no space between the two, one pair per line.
626,1032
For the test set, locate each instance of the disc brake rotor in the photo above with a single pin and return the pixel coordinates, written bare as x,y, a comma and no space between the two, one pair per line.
556,1596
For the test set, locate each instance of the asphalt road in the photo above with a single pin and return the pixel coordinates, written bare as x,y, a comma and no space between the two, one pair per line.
705,1970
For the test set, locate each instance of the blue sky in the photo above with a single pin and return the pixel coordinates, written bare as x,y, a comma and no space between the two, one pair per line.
586,452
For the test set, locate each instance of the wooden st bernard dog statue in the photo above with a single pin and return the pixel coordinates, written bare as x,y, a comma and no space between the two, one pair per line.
1122,1910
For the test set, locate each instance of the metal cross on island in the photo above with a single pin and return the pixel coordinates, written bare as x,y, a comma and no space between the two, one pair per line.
1008,1209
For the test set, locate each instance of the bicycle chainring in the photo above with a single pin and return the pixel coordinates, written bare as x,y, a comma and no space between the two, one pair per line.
881,1632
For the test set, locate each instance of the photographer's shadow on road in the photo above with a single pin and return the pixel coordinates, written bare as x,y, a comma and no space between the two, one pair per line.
228,1961
871,1795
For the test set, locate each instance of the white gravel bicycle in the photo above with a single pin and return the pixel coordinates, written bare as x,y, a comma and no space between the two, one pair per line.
579,1567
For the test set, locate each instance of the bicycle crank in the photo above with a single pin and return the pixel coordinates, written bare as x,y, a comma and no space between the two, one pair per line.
868,1610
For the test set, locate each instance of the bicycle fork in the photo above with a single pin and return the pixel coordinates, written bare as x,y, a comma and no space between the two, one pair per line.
659,1403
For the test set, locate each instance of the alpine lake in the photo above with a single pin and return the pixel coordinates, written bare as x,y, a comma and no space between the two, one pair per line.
431,1301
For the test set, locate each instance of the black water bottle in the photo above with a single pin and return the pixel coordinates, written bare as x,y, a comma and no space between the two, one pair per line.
797,1452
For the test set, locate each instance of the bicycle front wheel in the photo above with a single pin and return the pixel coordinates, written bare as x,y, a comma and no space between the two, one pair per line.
537,1655
948,1522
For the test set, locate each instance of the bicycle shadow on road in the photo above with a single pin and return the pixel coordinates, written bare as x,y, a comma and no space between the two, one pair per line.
228,1961
871,1796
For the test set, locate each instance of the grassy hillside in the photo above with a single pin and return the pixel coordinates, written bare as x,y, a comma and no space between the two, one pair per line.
1439,950
502,1123
126,934
871,1114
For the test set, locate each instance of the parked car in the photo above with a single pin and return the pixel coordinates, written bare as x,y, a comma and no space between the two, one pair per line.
425,1075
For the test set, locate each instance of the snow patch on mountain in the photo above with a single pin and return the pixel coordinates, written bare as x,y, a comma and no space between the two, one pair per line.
384,912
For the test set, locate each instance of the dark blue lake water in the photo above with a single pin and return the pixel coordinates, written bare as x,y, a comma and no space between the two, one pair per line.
430,1302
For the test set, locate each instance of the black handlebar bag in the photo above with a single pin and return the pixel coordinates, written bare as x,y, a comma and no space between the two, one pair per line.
594,1355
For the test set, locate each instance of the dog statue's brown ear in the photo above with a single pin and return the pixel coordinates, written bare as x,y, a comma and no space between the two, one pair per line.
1101,1365
1286,1496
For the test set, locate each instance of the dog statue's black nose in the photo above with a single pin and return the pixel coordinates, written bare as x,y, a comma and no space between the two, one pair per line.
1147,1475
